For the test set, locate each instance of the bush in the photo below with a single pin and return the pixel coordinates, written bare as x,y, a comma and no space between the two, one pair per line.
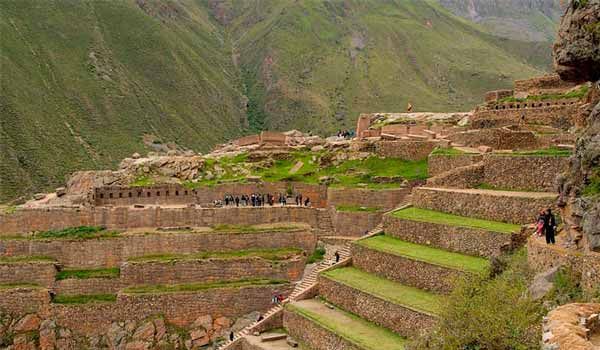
489,313
317,255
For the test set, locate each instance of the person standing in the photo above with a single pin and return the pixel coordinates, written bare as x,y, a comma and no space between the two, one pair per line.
550,226
337,257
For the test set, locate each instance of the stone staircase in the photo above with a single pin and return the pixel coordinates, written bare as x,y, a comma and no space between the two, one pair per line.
308,282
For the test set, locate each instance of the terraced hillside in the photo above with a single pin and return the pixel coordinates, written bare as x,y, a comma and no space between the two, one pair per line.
86,84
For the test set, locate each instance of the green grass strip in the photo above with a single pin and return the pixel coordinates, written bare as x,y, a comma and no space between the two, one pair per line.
359,331
437,217
268,254
84,299
393,292
357,208
426,254
90,273
194,287
546,152
26,259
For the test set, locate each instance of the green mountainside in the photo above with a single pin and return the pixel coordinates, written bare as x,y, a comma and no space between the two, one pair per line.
86,83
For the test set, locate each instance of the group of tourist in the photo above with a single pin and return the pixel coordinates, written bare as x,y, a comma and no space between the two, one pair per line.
347,134
546,225
261,200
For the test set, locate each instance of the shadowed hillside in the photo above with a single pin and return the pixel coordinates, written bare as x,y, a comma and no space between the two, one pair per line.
86,83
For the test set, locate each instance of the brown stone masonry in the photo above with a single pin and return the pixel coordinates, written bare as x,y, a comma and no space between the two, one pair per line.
39,273
413,273
400,319
74,286
463,240
409,150
354,224
554,115
119,218
385,199
210,270
20,301
316,337
110,252
438,164
519,208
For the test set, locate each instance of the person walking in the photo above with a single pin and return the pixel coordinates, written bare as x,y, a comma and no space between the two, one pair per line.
231,336
539,224
550,226
337,257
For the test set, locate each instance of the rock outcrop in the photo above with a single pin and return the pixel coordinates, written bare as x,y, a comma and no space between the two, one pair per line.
577,58
577,48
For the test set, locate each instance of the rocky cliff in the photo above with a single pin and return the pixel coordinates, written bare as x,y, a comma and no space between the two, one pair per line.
577,58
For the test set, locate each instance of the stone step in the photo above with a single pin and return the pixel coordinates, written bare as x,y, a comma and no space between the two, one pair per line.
403,309
504,206
322,327
414,265
454,233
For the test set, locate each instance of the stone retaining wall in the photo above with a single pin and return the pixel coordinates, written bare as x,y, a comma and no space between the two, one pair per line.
26,300
469,176
119,218
313,335
210,270
354,224
39,273
177,194
399,319
385,199
74,286
542,257
406,149
470,241
497,138
178,308
484,205
413,273
559,116
440,163
110,252
537,173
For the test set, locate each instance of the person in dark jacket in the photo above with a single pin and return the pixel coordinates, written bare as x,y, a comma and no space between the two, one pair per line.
549,226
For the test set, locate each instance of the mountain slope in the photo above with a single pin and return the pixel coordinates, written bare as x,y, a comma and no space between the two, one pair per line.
83,81
86,83
527,20
317,65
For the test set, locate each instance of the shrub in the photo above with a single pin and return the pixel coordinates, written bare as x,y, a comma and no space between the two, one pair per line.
489,313
317,255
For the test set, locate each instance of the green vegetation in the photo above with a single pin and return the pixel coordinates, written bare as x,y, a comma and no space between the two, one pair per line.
397,293
84,299
439,151
489,313
196,287
357,208
436,217
252,228
593,186
89,273
142,181
317,255
548,152
579,93
359,331
8,210
80,232
25,259
173,78
427,254
267,254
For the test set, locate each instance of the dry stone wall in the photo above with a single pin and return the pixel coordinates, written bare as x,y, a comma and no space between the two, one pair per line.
316,337
110,252
74,286
210,270
24,300
385,199
354,223
121,218
484,204
559,116
438,163
39,273
399,319
463,240
406,149
403,270
523,172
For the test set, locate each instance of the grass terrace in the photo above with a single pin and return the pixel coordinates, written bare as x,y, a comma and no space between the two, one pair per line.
26,259
546,152
579,93
71,233
84,299
426,254
90,273
391,291
357,208
267,254
196,287
439,151
356,330
436,217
